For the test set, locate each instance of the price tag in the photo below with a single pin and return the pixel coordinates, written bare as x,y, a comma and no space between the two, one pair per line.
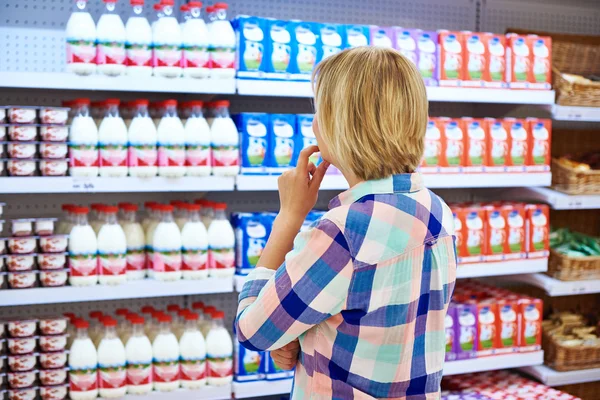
83,185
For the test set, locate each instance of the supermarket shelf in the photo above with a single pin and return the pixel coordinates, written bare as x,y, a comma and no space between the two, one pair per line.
67,81
245,390
269,182
511,267
492,363
569,113
238,282
130,290
70,184
206,393
550,377
555,287
558,200
446,94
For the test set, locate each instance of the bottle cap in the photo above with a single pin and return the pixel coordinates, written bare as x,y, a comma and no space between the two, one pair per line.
218,314
169,103
147,309
191,316
173,308
221,103
198,305
220,6
96,314
129,207
122,311
81,324
80,210
110,209
112,102
108,321
220,206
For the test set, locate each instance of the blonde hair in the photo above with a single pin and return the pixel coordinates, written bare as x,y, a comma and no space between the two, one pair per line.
372,111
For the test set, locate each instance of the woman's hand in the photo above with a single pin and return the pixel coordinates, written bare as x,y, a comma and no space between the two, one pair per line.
299,187
287,356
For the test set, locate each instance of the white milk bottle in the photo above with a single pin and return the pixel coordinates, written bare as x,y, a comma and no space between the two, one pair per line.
112,250
154,216
81,40
184,11
112,139
194,239
166,38
198,155
207,212
221,44
166,246
142,135
193,354
135,237
139,359
171,142
224,139
138,44
165,350
219,352
112,361
208,320
83,364
221,242
82,250
111,36
83,141
196,58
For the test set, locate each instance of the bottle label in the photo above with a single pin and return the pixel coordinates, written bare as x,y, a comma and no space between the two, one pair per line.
193,370
136,260
166,56
83,265
171,156
139,374
194,260
143,156
167,261
81,51
138,55
220,367
84,156
113,155
110,53
166,371
196,57
225,156
112,264
197,156
222,258
112,377
82,380
222,57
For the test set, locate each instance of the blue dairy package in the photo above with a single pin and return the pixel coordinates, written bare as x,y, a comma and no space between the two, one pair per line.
305,136
254,142
356,35
252,46
282,142
252,232
273,372
305,38
247,364
331,40
280,48
382,36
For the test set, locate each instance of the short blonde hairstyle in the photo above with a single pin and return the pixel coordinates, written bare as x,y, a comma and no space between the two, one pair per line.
372,111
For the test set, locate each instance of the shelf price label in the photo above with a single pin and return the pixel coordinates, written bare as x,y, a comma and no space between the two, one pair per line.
83,185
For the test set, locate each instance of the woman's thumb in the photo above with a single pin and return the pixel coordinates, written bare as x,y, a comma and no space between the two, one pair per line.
319,174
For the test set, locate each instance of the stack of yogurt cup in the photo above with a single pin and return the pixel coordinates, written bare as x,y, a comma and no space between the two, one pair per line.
33,140
37,358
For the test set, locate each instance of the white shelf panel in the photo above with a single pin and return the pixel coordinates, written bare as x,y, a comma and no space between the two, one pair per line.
492,363
130,290
555,287
512,267
207,393
558,200
245,390
269,182
238,282
570,113
70,184
66,81
550,377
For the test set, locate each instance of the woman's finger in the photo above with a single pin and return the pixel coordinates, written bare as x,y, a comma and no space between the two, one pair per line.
311,168
304,155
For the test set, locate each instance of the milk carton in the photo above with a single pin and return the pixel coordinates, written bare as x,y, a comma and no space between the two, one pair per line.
497,145
304,36
475,59
496,233
450,328
487,315
495,67
473,225
537,230
458,230
279,43
427,45
432,157
253,51
282,128
331,40
529,61
453,145
254,140
476,155
384,37
508,326
466,331
247,363
539,144
519,139
515,246
451,58
531,324
305,136
542,59
252,232
356,35
405,41
273,372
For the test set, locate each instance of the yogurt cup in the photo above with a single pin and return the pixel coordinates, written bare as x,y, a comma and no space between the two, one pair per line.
22,245
44,226
54,167
22,328
53,377
54,278
22,150
54,243
23,394
53,326
22,114
20,380
22,280
57,359
58,392
20,262
53,343
54,115
22,133
19,346
53,150
17,167
51,261
21,363
22,227
54,133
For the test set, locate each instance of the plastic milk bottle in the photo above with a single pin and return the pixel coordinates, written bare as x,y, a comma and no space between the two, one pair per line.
221,44
83,247
196,58
111,36
165,349
134,235
171,142
193,354
112,373
83,364
198,154
219,352
112,250
81,40
83,141
224,139
139,359
166,36
221,242
194,239
166,245
138,43
112,139
142,135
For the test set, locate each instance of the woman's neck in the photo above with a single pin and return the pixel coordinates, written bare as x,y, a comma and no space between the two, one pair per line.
351,178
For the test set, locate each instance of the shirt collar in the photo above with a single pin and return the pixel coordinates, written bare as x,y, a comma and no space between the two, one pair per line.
401,183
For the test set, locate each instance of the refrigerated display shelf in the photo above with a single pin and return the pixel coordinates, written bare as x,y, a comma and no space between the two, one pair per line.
571,113
130,290
558,200
246,390
206,393
550,377
555,287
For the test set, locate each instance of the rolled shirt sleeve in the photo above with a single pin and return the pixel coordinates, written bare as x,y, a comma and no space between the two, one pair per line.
276,307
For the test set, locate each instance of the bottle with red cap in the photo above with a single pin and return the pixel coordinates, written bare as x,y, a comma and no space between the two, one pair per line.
138,43
151,224
221,44
112,249
219,352
166,247
81,40
142,137
83,248
138,351
193,353
171,142
196,58
66,222
112,140
194,239
110,32
112,362
83,141
166,38
198,154
134,235
83,364
225,142
207,212
165,350
221,244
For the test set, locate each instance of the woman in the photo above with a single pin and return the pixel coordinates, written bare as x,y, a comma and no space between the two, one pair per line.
362,295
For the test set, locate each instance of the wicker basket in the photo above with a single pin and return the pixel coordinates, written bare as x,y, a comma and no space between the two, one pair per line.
568,268
569,358
573,181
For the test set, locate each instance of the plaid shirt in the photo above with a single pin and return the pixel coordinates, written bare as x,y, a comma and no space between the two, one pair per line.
365,290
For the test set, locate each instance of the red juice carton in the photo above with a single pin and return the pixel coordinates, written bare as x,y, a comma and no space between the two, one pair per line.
508,326
466,331
432,157
487,315
497,145
540,131
537,230
518,144
476,155
453,144
451,58
531,324
515,245
475,59
542,61
495,69
450,328
473,232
